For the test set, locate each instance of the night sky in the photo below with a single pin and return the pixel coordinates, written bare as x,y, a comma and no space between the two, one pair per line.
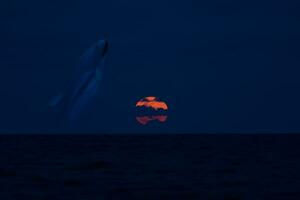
221,65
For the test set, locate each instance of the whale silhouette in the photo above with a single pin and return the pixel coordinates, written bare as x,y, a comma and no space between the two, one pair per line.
84,86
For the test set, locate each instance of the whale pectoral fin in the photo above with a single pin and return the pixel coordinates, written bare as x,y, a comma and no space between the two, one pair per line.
98,74
55,101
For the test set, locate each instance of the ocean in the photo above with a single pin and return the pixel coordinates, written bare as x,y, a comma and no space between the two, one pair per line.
115,167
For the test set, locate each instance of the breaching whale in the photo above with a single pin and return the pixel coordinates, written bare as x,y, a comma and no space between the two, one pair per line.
84,86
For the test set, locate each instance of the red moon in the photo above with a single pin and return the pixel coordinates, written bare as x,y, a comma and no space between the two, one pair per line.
157,106
152,102
146,119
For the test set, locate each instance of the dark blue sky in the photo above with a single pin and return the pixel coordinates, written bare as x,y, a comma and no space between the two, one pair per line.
222,65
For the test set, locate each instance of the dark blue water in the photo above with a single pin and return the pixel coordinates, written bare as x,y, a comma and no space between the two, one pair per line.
212,167
222,66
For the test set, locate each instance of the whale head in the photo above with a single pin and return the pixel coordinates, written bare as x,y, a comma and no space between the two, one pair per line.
102,47
94,57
